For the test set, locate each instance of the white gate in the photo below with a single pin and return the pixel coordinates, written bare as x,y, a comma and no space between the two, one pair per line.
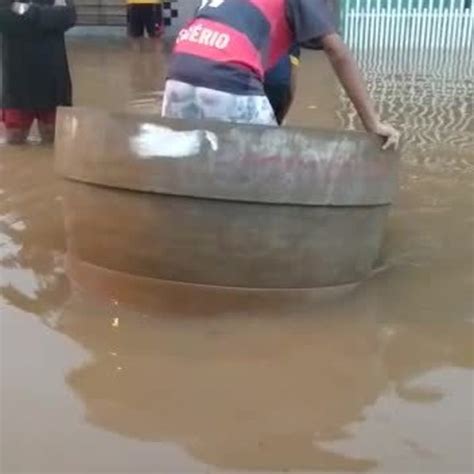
411,35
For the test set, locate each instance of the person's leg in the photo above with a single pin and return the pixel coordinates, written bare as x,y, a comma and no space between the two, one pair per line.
46,125
149,20
17,125
135,25
159,19
150,43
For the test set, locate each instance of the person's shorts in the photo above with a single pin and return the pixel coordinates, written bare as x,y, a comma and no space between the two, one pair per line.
142,17
19,119
186,101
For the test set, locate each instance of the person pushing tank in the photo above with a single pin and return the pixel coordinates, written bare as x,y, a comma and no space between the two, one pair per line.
218,65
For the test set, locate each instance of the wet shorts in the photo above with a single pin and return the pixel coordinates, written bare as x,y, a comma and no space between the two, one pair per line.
19,119
142,17
185,101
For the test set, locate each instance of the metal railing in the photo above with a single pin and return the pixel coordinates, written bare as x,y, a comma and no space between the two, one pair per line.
411,36
417,58
408,24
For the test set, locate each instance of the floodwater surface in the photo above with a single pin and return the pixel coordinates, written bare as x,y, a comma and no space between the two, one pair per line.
105,372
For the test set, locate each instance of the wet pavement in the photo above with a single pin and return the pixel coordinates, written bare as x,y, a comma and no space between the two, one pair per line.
107,372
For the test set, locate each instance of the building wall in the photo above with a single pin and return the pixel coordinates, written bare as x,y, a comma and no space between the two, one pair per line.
113,13
101,12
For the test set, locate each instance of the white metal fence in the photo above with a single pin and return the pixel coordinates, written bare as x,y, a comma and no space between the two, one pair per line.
418,59
415,36
412,24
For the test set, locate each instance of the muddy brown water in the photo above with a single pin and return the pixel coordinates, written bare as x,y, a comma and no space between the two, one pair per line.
104,372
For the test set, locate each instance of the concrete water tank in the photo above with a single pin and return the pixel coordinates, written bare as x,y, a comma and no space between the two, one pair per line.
223,204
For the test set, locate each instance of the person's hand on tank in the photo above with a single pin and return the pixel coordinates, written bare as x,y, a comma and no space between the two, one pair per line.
390,135
20,8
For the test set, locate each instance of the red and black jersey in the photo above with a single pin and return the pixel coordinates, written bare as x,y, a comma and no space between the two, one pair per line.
230,44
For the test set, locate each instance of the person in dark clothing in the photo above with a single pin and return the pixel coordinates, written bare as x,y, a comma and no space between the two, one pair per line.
34,71
143,16
279,83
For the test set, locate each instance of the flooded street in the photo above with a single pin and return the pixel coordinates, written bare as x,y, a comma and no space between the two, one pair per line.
106,372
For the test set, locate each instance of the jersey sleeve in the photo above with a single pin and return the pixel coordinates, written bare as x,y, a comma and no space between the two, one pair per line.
310,19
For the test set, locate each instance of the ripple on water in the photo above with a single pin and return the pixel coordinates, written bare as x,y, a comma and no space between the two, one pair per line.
431,107
147,102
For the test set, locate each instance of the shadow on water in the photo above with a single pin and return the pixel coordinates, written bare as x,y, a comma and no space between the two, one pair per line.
351,379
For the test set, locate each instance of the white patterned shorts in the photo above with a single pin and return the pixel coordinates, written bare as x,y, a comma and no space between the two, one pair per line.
185,101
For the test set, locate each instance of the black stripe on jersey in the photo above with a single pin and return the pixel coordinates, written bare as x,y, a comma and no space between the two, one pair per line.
202,72
243,17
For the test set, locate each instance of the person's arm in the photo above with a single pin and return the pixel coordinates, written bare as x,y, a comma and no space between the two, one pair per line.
313,20
59,17
348,73
11,22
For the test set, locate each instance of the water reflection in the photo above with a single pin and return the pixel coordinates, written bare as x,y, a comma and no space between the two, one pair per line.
256,380
113,76
32,240
284,376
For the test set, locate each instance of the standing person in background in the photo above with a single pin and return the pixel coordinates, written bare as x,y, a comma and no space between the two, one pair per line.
220,58
143,16
34,75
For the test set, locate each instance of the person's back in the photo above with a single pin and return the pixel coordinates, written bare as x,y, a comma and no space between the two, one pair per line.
220,58
232,42
35,71
228,47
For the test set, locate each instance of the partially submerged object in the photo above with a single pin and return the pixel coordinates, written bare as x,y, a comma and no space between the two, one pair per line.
223,204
